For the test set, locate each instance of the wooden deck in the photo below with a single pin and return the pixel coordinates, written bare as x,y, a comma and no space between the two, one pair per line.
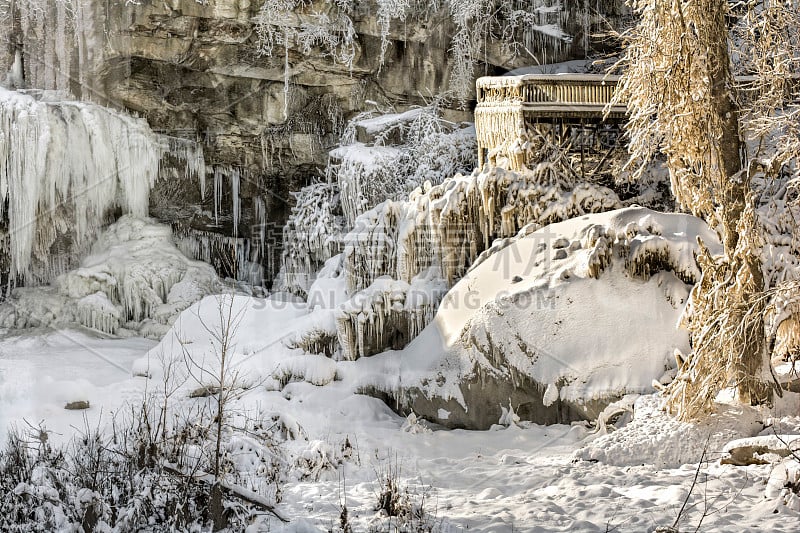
509,105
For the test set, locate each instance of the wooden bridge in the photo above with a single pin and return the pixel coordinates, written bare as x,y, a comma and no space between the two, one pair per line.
572,104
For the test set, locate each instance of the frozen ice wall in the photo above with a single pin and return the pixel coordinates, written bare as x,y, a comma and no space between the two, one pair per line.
65,167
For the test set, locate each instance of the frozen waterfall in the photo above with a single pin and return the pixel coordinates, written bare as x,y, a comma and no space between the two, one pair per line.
64,167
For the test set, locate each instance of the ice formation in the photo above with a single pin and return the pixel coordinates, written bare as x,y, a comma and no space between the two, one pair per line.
361,176
187,153
64,167
238,257
387,315
134,278
53,37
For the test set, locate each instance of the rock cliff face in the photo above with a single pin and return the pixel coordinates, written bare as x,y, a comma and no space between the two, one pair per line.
200,69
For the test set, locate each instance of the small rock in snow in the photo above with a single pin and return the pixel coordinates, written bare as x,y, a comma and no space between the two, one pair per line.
77,406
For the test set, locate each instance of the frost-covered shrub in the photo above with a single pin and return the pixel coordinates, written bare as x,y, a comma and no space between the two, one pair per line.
311,235
93,485
277,24
427,149
389,10
402,505
138,478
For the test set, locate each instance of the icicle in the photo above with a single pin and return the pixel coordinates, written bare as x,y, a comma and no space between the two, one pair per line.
286,77
217,193
191,153
211,247
376,318
235,174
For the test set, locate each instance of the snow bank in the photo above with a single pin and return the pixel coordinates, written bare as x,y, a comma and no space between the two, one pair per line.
654,437
260,339
564,319
134,278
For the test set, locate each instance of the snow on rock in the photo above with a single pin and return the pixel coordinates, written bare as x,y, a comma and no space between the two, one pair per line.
134,278
441,230
654,437
64,166
763,449
782,486
574,315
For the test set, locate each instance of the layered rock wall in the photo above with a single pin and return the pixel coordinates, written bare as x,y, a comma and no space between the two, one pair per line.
199,69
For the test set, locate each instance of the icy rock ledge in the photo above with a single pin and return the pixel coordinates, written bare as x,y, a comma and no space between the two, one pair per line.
133,279
559,322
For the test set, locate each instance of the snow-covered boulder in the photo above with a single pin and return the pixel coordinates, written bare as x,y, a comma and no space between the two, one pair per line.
557,322
134,278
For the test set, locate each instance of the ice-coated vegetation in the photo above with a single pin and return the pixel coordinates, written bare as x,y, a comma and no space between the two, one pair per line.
311,236
515,27
426,148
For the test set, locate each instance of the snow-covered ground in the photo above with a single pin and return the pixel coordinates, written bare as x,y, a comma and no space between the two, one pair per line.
43,370
515,478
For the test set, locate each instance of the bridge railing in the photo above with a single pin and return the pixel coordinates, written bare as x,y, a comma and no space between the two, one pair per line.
551,88
506,103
